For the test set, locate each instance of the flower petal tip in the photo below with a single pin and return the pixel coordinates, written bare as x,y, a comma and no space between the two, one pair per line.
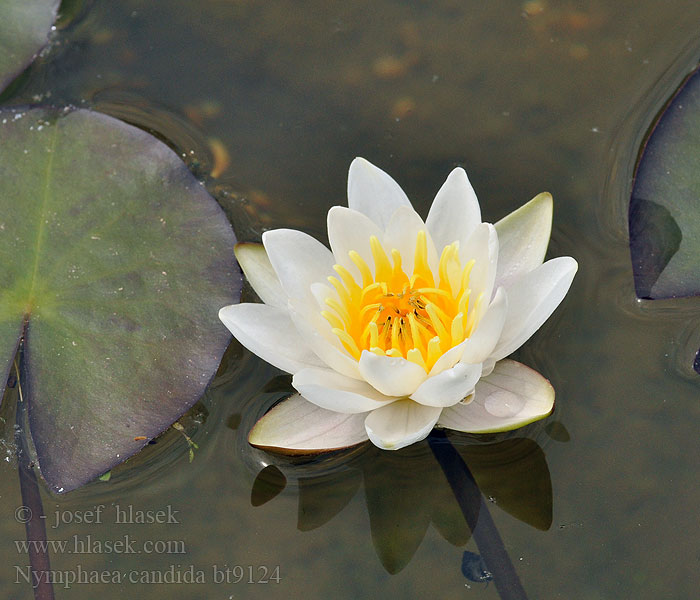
400,424
258,270
223,311
544,198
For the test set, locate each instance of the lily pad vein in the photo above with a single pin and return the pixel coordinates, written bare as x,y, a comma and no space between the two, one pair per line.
42,218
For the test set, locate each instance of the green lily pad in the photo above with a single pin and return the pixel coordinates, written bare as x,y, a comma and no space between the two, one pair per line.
24,31
115,263
663,215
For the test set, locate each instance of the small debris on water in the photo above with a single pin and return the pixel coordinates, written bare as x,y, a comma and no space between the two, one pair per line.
474,568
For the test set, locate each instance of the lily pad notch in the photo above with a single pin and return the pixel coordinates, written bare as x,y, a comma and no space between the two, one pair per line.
117,260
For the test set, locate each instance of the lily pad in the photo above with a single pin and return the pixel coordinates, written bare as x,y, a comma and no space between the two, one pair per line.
663,216
115,263
24,31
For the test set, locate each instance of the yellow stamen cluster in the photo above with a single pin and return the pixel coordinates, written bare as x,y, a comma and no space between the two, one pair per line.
392,314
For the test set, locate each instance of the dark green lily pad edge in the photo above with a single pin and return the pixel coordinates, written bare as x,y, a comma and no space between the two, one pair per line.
654,234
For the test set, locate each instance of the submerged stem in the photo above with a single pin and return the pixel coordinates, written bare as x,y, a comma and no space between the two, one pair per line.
476,512
32,506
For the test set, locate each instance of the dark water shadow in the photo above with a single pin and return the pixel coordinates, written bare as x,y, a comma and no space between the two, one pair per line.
407,490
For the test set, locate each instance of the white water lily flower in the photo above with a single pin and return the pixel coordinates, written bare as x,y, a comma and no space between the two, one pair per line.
403,324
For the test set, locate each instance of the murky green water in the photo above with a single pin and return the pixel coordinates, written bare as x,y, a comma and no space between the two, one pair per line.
277,97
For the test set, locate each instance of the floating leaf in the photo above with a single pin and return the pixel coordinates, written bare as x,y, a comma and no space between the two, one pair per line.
663,216
654,237
115,263
24,30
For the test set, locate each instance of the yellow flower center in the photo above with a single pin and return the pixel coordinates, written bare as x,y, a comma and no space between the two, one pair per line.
394,314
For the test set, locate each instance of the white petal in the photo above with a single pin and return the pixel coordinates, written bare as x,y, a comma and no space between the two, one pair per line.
532,299
455,212
269,332
260,274
298,426
374,193
391,376
449,387
487,366
322,292
400,424
513,395
402,232
316,333
351,230
478,347
449,359
523,236
333,391
299,260
482,246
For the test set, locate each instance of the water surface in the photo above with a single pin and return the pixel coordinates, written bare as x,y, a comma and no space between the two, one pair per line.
527,97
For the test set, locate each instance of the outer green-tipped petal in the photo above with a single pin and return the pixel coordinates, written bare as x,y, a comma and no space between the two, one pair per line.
482,342
374,193
449,387
523,236
333,391
391,376
269,332
351,230
455,212
299,260
512,396
400,424
260,274
532,299
295,426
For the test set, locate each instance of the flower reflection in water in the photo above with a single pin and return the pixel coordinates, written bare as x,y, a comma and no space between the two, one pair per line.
406,490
